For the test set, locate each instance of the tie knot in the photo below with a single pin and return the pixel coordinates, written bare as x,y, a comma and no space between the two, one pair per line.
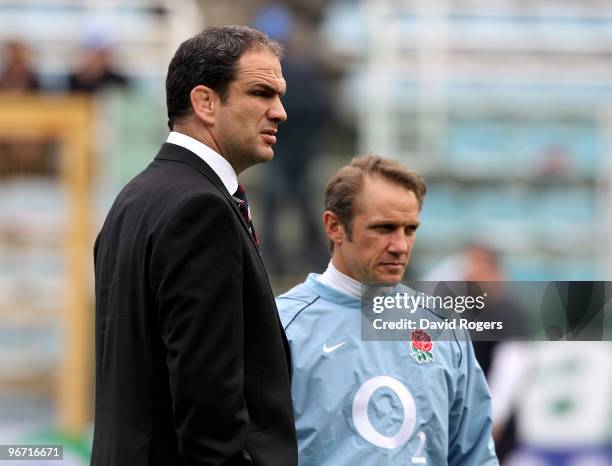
241,200
240,193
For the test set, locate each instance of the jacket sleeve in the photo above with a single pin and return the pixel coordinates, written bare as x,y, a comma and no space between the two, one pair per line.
196,276
470,419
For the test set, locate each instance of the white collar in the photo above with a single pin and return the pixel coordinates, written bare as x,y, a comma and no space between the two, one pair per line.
219,165
335,279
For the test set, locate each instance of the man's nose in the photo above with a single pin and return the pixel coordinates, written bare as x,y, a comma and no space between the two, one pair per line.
399,243
277,111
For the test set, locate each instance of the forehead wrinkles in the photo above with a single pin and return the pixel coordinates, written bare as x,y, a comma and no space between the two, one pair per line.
261,67
255,75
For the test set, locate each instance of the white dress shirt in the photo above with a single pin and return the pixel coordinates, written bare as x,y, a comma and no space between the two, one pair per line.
219,165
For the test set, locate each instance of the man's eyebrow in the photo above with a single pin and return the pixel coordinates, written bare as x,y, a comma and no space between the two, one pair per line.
377,223
263,85
268,87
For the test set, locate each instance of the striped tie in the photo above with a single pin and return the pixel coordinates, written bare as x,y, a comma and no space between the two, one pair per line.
243,204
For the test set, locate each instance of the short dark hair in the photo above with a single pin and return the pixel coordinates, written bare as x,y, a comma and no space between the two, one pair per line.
209,58
347,183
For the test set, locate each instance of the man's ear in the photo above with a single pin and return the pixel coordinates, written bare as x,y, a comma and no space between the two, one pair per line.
204,102
333,228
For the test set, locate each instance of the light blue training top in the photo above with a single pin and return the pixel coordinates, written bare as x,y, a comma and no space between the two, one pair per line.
371,402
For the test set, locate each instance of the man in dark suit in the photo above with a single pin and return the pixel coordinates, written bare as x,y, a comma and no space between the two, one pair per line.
192,365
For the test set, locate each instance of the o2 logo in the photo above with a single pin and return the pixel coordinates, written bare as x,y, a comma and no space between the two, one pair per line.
366,429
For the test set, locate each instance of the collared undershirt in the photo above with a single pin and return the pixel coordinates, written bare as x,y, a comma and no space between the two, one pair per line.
340,282
335,279
219,165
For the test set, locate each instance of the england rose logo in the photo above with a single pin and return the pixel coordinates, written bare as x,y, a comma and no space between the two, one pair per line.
422,347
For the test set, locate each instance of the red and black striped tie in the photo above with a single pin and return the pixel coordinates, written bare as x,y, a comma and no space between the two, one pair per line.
243,204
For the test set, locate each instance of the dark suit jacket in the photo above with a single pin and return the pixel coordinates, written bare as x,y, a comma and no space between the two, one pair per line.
192,365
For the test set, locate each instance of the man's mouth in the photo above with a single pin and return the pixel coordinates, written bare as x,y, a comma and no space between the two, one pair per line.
393,265
269,136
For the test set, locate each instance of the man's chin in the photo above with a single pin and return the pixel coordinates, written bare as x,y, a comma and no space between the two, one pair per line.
265,155
386,280
390,275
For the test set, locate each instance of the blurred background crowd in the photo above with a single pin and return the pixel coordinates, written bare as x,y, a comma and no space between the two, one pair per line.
504,106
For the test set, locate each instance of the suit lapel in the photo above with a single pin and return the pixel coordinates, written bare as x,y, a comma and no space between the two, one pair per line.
180,154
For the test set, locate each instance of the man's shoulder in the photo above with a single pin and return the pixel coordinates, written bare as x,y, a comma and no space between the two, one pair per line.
164,191
166,183
291,303
299,293
174,175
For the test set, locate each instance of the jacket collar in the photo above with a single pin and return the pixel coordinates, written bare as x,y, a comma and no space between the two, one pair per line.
216,161
179,154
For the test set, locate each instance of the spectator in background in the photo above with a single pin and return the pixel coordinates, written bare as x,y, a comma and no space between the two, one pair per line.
481,264
96,70
289,177
17,74
21,155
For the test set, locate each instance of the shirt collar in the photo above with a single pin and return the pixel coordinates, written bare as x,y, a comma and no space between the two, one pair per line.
335,279
344,284
219,165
